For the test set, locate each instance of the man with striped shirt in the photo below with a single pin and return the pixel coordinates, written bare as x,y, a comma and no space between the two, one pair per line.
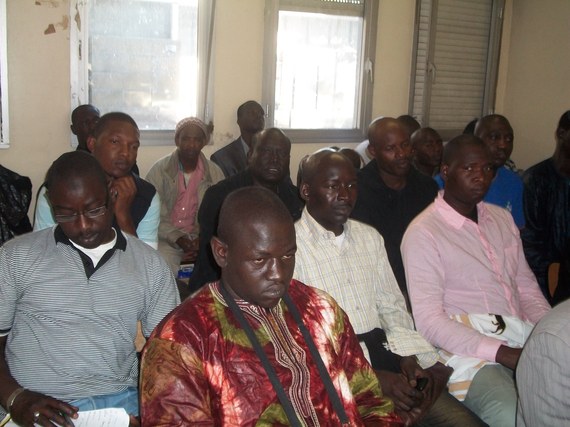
70,300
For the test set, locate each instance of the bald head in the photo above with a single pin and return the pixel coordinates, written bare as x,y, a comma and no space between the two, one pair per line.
390,146
379,129
273,134
319,161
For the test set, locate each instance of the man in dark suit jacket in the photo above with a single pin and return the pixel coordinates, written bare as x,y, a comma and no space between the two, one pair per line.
233,157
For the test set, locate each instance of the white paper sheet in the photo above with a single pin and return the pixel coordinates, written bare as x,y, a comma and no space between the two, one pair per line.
110,417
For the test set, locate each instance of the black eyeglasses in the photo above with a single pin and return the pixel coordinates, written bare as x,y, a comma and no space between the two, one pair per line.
91,213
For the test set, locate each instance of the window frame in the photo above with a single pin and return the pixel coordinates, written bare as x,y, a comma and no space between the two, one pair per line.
4,112
79,74
365,92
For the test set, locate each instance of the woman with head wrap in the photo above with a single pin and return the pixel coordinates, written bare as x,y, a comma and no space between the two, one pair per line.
181,180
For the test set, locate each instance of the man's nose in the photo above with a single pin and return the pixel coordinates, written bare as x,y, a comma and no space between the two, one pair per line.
502,142
342,192
478,174
123,149
276,269
83,222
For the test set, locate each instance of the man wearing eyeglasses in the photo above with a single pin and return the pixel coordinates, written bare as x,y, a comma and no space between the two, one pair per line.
70,300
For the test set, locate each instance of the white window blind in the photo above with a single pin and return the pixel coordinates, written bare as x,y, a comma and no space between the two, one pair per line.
456,57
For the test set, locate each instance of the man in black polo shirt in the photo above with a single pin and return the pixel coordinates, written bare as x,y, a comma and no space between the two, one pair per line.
390,191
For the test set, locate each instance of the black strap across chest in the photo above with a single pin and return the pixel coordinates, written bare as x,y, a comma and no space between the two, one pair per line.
277,386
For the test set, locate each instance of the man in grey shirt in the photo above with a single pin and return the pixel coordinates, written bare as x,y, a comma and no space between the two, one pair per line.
70,300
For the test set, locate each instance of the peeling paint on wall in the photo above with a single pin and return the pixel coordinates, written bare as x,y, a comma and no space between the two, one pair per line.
58,26
77,18
49,30
51,3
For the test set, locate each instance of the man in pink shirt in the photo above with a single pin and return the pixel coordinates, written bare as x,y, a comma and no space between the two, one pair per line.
473,295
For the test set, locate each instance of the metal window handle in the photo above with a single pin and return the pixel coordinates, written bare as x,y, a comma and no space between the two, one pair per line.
432,71
369,69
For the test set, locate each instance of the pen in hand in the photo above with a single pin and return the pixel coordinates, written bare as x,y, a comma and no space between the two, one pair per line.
68,421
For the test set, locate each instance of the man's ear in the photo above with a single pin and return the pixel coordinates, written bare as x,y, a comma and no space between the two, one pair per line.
220,251
305,191
443,172
90,143
371,149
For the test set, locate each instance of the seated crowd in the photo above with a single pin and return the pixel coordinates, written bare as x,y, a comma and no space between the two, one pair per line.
406,282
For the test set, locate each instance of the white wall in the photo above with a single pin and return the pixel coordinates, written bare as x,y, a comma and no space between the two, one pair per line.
39,77
537,83
532,92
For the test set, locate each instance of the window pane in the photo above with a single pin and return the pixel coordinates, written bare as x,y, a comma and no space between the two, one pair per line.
143,59
317,74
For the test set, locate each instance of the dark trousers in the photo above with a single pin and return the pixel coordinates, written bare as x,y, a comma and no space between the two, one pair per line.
446,411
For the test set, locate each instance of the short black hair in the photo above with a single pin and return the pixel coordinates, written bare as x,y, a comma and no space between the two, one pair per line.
483,122
72,165
415,137
82,107
453,147
564,122
110,117
409,122
241,109
249,204
469,128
